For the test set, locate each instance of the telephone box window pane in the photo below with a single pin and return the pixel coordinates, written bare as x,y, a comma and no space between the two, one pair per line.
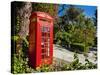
42,46
48,29
48,35
48,51
45,29
45,42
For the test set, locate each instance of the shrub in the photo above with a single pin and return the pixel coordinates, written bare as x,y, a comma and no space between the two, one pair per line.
76,65
63,38
20,65
78,46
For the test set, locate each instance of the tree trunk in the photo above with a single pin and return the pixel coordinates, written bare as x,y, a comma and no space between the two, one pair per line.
23,12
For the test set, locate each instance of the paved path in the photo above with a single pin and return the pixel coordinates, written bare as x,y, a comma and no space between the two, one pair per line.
64,54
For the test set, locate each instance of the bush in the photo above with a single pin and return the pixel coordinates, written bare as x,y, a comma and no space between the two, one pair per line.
20,65
62,38
78,46
76,65
58,37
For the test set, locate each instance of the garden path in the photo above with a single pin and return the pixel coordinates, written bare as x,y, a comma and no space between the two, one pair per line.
67,55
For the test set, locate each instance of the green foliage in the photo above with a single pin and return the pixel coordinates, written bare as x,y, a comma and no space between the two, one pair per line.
75,29
76,65
44,68
62,38
90,65
20,65
15,38
58,37
45,7
78,46
73,12
20,61
17,26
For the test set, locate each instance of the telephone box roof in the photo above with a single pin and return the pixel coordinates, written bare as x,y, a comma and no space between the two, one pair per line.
41,14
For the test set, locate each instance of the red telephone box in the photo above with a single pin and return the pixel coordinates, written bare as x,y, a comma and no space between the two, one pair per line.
40,39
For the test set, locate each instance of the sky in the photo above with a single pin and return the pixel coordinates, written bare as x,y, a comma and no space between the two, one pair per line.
88,10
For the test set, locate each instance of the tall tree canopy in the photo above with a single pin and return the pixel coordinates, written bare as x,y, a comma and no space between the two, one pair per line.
51,9
76,27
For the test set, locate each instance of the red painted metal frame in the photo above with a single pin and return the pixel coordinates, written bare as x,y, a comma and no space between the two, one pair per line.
35,58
